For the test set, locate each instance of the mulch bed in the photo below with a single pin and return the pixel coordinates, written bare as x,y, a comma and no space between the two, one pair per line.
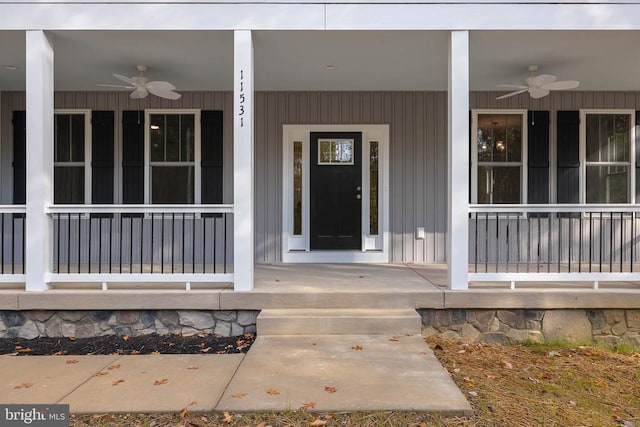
112,344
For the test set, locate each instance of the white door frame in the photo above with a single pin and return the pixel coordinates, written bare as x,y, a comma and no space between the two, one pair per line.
296,248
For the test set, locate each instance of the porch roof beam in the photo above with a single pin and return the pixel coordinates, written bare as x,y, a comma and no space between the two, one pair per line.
306,15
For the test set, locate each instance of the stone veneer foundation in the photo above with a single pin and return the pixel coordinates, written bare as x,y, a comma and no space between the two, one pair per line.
602,326
84,324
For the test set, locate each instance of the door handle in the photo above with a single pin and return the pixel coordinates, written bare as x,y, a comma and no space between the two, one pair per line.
358,188
358,197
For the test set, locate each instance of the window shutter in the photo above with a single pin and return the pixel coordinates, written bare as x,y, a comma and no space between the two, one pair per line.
568,146
133,157
102,140
19,157
637,156
212,156
538,157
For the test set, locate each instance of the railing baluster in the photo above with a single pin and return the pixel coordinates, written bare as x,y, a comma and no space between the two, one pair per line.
621,239
204,243
600,237
507,238
590,240
497,240
528,242
224,246
559,240
100,244
184,255
570,242
486,242
120,251
2,239
580,244
475,244
633,238
89,242
549,226
151,252
539,247
79,237
193,243
610,242
173,239
142,241
162,243
517,243
214,245
110,241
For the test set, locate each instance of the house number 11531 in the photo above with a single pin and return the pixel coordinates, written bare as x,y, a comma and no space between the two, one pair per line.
242,99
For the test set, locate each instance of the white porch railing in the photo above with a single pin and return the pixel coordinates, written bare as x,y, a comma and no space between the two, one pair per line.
12,229
542,243
141,243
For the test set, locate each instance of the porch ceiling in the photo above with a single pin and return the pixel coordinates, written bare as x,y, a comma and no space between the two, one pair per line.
363,60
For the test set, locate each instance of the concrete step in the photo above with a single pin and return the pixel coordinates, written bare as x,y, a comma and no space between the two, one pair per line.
338,322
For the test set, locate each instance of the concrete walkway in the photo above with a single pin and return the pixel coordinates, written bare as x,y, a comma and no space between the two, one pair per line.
326,373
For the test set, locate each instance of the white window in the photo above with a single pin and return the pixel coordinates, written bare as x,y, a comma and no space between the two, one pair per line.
607,156
498,157
172,157
72,157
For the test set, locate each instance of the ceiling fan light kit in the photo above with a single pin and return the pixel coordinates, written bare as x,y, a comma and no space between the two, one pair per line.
538,86
141,86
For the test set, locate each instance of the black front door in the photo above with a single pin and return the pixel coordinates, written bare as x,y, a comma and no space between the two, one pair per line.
336,190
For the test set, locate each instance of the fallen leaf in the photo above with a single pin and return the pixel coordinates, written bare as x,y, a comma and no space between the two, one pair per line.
307,406
112,367
469,381
273,392
462,351
534,380
161,382
328,417
506,364
238,395
205,350
183,412
115,383
438,347
155,353
318,423
135,352
490,376
600,383
126,337
262,424
71,338
72,361
101,374
193,368
357,347
228,418
24,385
330,389
202,334
394,339
23,350
187,334
59,353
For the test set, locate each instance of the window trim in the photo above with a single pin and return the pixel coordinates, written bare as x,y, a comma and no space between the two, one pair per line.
474,152
632,151
197,160
87,148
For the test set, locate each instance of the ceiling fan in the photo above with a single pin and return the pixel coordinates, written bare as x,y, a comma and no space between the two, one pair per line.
142,86
539,86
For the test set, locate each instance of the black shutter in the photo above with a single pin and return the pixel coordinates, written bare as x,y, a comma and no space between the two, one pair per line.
102,136
212,156
568,145
637,156
133,157
538,157
19,157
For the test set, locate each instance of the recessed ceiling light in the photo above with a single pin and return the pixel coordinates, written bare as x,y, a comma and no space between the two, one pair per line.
329,67
10,67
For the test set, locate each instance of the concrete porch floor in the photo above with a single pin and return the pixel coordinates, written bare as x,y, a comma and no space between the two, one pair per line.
283,286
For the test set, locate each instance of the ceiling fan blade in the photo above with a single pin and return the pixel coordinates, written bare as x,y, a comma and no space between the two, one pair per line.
541,80
517,92
512,86
538,92
159,85
124,79
139,93
120,86
167,94
562,85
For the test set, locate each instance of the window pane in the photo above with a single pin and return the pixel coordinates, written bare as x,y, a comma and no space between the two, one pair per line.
187,131
68,185
157,129
499,184
77,138
607,184
62,135
172,184
297,188
608,137
172,138
373,188
499,138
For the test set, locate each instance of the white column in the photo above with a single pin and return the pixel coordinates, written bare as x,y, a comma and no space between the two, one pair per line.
458,149
39,151
243,245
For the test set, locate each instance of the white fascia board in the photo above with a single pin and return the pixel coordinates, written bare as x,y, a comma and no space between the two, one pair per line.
228,16
483,16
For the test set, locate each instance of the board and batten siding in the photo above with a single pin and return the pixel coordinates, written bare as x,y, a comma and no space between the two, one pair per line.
418,147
